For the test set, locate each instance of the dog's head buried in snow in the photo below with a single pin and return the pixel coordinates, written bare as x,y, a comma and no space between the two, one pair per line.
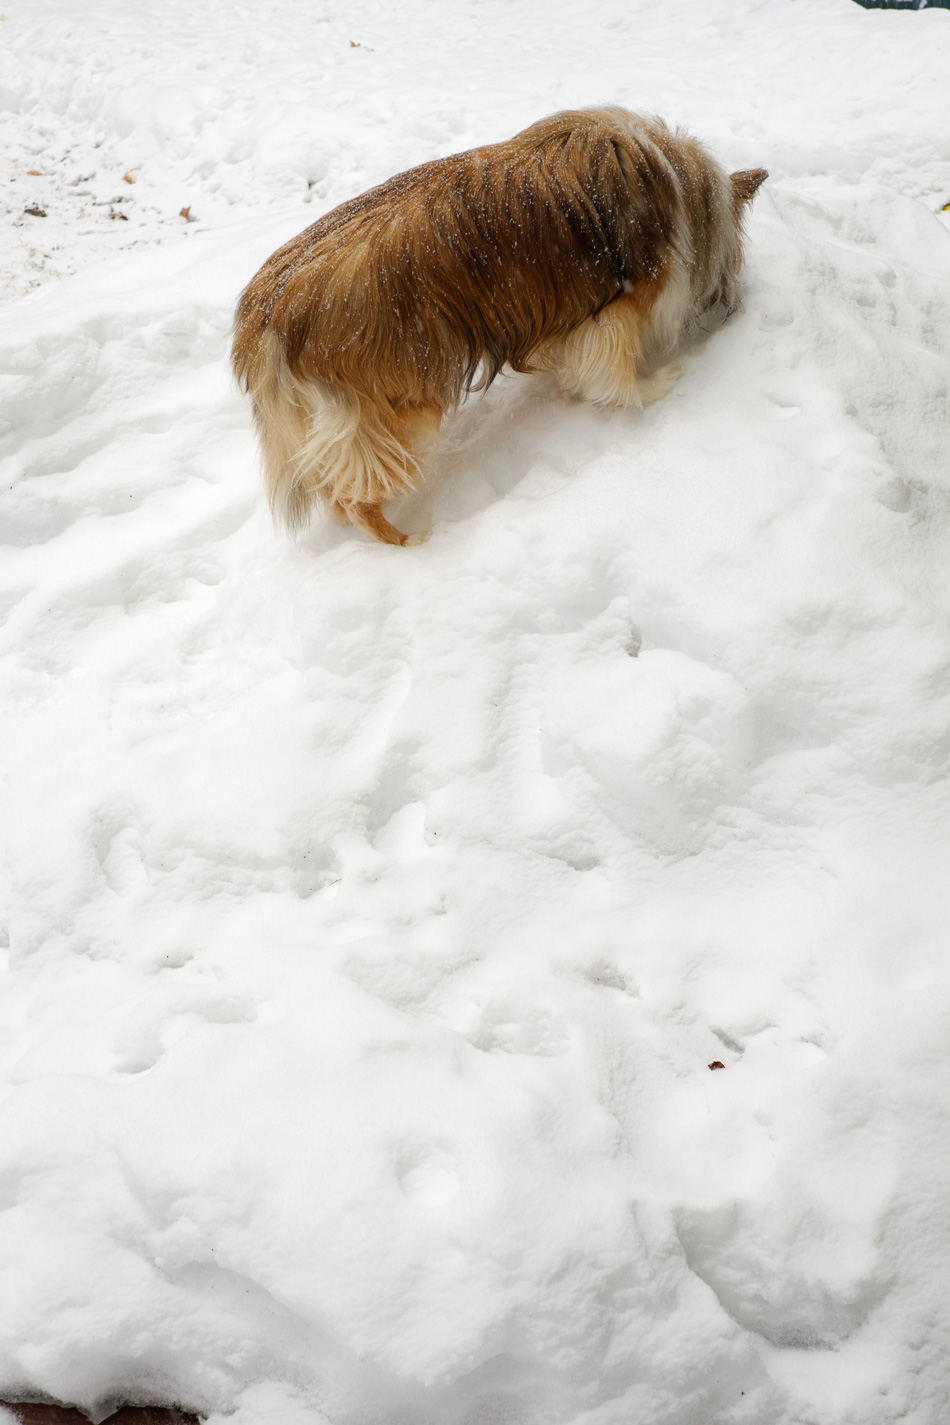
588,245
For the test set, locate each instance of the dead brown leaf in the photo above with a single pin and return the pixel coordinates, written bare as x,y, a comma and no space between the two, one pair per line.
35,212
717,1064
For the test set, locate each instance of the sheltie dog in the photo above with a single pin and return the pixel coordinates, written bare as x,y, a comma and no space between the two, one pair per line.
589,245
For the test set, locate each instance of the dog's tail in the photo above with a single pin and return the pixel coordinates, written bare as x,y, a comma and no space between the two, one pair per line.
321,442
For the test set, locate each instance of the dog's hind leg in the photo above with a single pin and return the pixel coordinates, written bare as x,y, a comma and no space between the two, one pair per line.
371,518
378,458
327,445
412,428
323,443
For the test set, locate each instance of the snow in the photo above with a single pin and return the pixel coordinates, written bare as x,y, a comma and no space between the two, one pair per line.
374,914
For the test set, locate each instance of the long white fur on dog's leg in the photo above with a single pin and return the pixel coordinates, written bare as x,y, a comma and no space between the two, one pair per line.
660,384
599,360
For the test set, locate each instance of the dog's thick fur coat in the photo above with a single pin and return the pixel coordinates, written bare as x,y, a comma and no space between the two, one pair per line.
587,245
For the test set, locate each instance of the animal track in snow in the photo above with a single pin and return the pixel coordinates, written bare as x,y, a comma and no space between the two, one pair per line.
165,1016
572,851
796,1288
406,978
429,1178
118,842
499,1031
402,837
606,975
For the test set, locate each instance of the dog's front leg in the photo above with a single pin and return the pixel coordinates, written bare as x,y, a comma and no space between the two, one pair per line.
602,360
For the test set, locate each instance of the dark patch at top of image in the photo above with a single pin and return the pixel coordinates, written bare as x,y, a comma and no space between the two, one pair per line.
36,1414
904,4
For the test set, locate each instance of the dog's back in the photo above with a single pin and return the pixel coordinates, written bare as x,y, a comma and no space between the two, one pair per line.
507,245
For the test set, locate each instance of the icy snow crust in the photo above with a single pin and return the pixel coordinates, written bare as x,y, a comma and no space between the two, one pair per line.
374,914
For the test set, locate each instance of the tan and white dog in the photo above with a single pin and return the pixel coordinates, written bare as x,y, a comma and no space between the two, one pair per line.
588,245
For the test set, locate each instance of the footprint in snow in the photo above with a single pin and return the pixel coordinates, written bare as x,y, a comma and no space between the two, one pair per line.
430,1180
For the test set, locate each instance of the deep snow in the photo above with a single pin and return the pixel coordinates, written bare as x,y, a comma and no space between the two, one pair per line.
374,914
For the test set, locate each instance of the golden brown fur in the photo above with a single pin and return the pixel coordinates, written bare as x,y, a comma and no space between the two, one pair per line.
586,245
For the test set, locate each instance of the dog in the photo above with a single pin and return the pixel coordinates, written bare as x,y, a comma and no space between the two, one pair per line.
589,245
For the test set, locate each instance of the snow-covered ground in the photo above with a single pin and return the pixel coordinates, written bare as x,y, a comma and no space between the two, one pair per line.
374,914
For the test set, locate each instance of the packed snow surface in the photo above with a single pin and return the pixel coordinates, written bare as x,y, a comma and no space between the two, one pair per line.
373,915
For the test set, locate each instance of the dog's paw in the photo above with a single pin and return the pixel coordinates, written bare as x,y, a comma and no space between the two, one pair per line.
655,387
418,537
